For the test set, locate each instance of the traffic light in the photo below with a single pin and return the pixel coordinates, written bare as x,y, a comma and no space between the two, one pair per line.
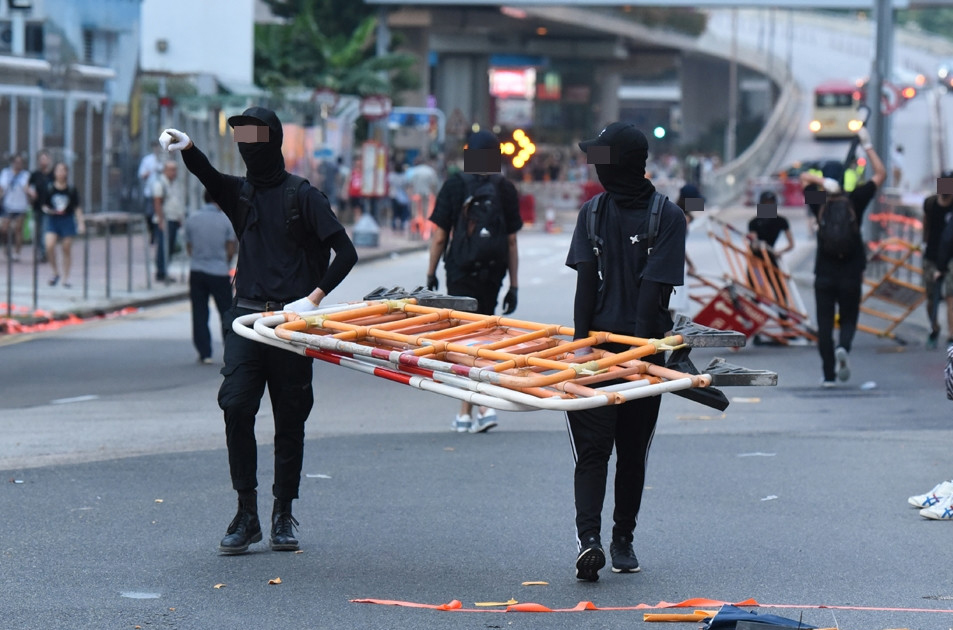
659,132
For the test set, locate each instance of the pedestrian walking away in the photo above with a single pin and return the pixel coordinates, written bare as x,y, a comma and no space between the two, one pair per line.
937,212
623,285
841,257
277,264
211,245
39,180
476,218
64,220
168,194
14,184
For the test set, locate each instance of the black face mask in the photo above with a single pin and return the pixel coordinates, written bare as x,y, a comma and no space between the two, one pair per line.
626,184
263,160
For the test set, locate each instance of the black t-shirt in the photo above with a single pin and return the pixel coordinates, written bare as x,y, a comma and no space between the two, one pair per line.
61,201
935,218
856,261
271,266
40,180
768,230
449,202
625,262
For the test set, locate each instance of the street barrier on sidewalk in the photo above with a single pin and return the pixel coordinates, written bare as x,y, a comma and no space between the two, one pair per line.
496,361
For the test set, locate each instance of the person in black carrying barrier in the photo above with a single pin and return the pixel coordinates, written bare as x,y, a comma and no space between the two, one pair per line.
841,257
628,250
286,232
476,218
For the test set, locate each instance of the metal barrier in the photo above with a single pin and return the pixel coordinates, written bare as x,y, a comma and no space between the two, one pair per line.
103,222
896,288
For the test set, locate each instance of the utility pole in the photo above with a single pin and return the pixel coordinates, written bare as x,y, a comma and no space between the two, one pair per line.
731,131
880,72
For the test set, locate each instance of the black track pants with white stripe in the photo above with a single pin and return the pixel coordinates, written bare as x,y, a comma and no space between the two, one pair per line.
592,433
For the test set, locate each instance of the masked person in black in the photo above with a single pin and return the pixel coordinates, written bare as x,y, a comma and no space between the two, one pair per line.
277,264
633,300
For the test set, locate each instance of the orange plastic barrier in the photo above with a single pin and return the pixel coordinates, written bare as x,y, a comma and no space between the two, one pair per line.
895,287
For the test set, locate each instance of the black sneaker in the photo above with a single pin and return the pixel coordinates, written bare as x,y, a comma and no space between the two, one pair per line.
591,558
623,557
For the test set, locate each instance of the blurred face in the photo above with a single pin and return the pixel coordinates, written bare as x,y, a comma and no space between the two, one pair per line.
60,172
17,163
43,162
170,170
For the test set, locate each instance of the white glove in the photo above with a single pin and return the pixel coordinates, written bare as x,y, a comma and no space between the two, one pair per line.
174,140
864,136
831,186
301,306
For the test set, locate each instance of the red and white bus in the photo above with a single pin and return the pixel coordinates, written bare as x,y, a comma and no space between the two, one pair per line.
835,110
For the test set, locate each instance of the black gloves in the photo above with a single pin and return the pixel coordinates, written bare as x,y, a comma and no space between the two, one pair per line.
509,302
432,284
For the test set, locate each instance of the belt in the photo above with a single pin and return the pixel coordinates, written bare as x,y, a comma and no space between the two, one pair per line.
259,307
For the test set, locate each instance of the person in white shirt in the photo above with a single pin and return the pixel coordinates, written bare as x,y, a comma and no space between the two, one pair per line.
168,198
150,167
14,182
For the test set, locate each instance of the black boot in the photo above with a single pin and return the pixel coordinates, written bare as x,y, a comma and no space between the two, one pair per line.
244,528
282,527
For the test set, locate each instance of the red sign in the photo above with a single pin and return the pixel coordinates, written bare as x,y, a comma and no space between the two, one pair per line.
374,107
732,313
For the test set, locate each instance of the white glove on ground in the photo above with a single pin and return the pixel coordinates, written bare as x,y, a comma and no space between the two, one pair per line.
174,140
303,305
864,136
831,185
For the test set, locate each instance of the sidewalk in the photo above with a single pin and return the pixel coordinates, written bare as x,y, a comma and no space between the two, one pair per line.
127,281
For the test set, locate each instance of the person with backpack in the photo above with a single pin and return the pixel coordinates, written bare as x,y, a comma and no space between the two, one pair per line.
628,251
286,231
841,256
476,218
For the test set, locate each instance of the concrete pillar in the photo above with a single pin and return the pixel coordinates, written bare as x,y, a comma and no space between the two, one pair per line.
463,83
704,95
606,104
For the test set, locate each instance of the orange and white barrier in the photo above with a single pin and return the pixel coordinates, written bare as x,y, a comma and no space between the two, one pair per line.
487,360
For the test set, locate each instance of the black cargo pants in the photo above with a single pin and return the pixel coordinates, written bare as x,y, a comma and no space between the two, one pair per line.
249,366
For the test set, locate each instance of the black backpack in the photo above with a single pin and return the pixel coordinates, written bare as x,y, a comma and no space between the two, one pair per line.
837,229
596,210
319,255
479,241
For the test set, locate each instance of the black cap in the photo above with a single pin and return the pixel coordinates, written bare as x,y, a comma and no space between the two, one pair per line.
483,140
258,116
626,142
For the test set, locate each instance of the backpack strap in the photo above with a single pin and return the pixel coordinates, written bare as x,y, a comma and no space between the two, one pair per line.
292,212
245,196
655,219
592,216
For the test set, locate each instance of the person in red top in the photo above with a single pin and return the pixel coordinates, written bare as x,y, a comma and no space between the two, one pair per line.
354,188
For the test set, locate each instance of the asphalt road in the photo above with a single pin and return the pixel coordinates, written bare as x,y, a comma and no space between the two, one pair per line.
795,495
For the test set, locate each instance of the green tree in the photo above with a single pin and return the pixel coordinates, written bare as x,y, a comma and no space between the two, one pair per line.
301,52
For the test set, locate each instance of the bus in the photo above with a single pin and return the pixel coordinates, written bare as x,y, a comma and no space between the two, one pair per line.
835,110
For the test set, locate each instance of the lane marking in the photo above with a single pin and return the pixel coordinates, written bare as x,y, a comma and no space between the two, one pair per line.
74,399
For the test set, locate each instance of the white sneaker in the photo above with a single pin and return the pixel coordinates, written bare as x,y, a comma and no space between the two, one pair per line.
828,384
843,366
461,424
942,511
484,421
940,492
